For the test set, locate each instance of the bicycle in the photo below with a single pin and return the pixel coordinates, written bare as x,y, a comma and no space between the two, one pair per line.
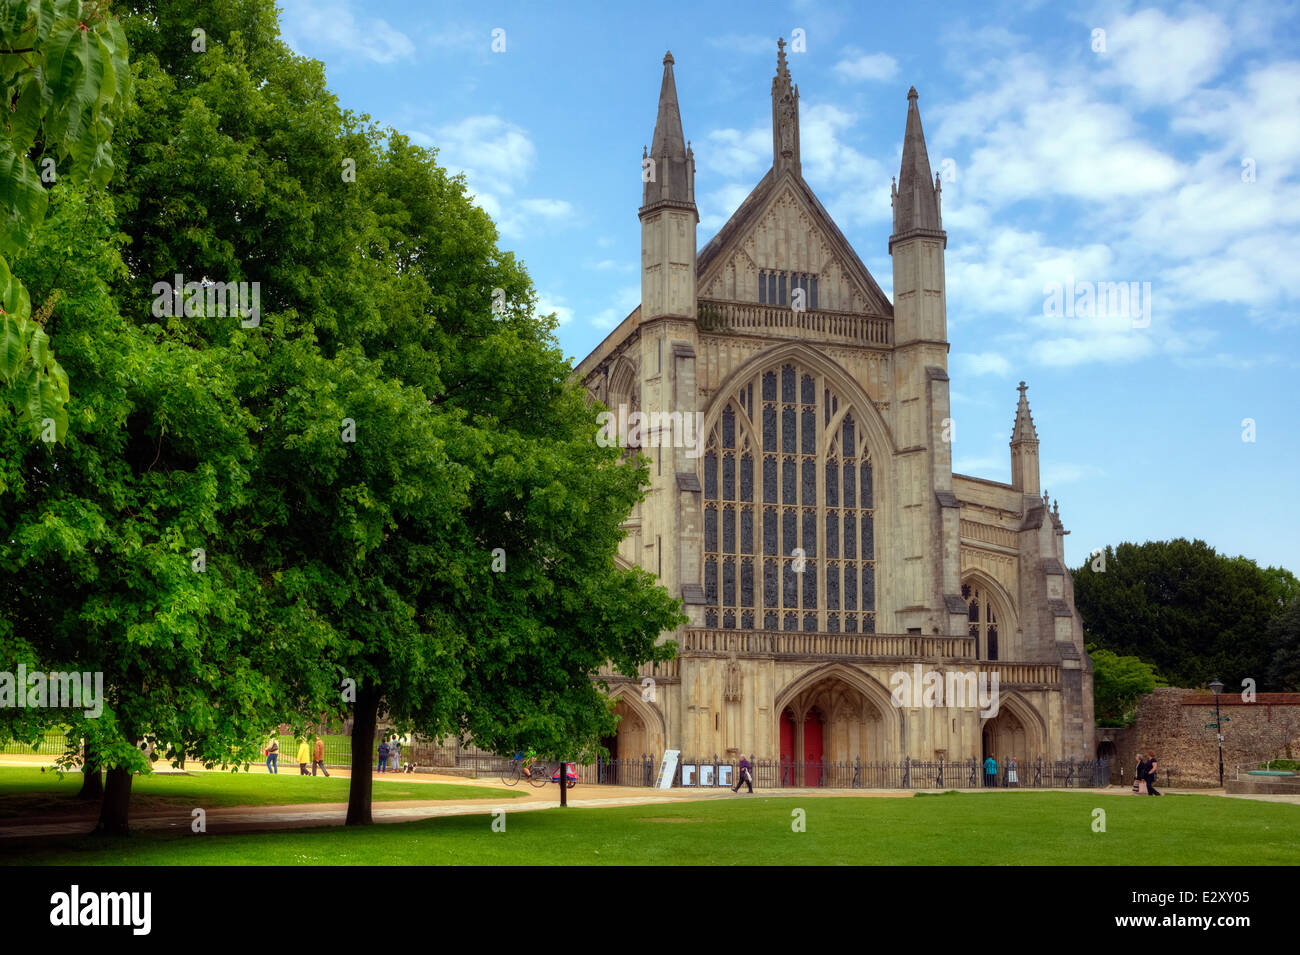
511,776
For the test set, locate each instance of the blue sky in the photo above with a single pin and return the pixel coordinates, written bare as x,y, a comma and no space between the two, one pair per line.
1166,150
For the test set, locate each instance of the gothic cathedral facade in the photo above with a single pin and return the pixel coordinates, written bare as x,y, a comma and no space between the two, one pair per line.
816,532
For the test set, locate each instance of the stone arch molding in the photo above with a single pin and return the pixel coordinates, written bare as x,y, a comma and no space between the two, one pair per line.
1003,602
651,715
864,683
1010,701
880,443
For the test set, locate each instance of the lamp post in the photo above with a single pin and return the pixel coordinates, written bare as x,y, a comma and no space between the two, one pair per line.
1217,687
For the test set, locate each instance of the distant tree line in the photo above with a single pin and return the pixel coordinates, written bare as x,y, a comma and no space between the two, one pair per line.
1177,613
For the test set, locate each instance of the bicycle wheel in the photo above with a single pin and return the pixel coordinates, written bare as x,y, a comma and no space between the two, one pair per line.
511,777
572,783
541,775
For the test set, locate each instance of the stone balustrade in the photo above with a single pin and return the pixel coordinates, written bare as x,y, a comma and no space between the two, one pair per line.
819,324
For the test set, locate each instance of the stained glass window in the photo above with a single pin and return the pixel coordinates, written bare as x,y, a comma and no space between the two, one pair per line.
814,481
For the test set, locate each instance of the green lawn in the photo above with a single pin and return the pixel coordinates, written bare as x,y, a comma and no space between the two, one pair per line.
29,792
1029,828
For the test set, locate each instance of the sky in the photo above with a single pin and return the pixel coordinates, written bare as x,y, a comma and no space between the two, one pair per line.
1079,144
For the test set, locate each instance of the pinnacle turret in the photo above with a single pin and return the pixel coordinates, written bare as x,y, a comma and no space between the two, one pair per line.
1024,429
785,117
673,169
916,193
1024,449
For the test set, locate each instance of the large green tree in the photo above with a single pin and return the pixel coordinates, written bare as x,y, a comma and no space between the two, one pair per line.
410,413
1191,612
63,73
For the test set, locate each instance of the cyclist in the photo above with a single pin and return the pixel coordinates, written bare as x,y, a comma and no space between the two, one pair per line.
530,757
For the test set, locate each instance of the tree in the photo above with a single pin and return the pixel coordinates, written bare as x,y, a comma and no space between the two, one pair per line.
1283,635
63,70
1192,613
116,541
399,426
1117,685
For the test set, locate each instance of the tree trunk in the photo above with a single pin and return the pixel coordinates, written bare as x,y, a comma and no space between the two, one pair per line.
365,718
92,778
116,805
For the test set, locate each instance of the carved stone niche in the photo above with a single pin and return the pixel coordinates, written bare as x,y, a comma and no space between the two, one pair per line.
733,684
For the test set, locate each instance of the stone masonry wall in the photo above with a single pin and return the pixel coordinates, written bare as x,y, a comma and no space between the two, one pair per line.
1172,722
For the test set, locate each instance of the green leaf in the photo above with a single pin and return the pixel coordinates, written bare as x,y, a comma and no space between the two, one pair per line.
22,199
28,111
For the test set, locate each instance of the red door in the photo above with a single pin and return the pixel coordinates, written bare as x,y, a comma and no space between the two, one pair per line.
812,746
787,739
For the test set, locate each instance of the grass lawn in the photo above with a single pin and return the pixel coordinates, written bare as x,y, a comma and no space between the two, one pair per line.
29,792
1031,828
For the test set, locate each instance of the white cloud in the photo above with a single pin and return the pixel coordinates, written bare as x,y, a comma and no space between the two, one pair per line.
546,304
986,363
626,299
732,152
497,158
1164,58
857,65
331,25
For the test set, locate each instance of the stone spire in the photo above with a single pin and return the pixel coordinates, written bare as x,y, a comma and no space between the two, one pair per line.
674,163
1024,429
785,117
1024,448
916,193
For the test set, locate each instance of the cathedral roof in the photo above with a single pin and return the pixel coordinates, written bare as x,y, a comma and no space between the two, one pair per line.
786,172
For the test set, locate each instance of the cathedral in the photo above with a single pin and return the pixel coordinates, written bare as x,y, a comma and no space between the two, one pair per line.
825,551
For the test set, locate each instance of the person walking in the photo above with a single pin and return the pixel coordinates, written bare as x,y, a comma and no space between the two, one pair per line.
1140,776
383,756
990,772
1151,775
318,757
272,751
745,777
304,756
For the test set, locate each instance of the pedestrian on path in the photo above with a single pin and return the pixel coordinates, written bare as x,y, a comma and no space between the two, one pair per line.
304,756
318,758
383,756
1151,775
395,754
745,777
990,772
272,751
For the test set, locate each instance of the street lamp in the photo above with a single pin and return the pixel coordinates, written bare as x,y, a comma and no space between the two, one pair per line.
1217,687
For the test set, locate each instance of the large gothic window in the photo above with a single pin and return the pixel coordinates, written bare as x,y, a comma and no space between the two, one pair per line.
789,511
982,622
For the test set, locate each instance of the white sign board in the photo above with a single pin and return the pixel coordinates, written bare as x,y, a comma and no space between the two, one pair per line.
668,769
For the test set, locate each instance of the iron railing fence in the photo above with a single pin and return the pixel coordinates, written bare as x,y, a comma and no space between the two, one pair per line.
50,744
907,773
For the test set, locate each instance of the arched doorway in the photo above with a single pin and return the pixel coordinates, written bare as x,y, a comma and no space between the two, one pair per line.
835,720
1004,736
631,739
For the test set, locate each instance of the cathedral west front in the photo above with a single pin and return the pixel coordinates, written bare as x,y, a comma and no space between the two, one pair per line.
814,527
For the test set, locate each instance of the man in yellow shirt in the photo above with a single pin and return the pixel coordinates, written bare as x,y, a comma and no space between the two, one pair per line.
304,756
